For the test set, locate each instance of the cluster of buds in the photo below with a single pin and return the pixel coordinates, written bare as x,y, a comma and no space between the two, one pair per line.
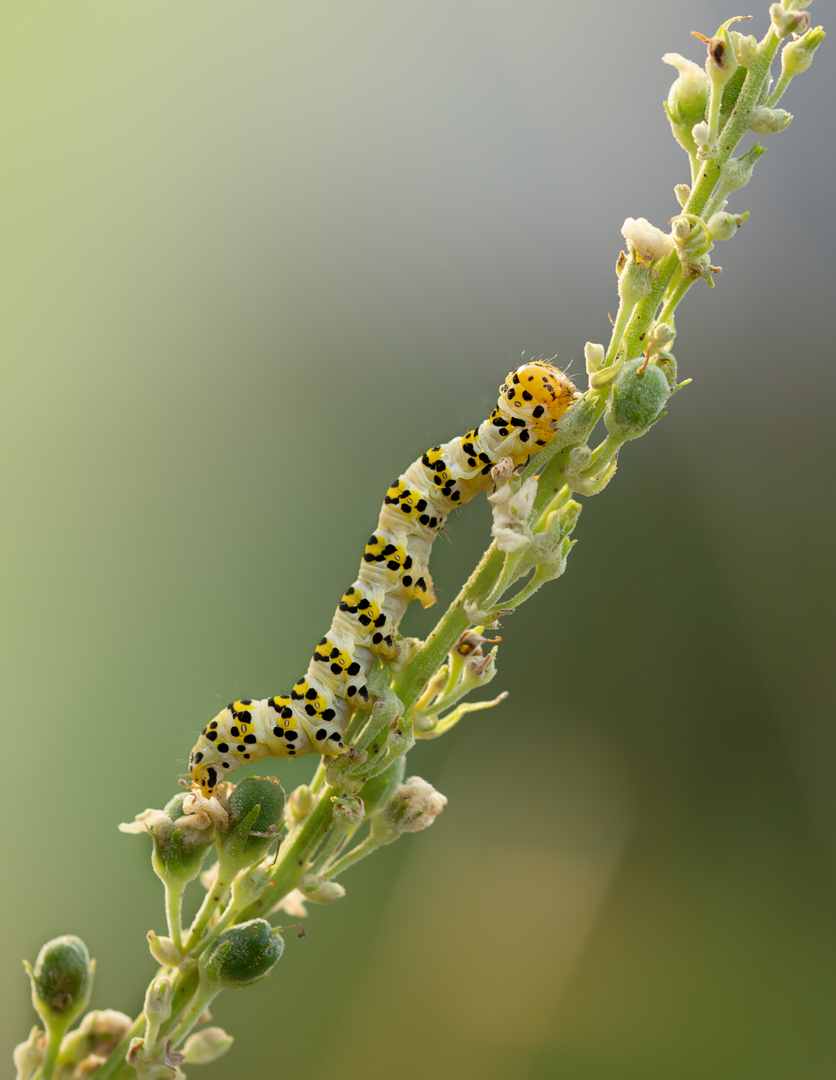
467,668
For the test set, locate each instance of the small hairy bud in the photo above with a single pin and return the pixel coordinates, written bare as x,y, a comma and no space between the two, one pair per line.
206,1046
158,1000
701,135
299,804
28,1055
661,335
594,356
98,1034
723,226
745,47
415,805
313,888
769,121
163,950
796,56
788,22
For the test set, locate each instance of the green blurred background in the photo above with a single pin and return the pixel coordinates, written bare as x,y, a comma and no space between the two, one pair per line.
256,257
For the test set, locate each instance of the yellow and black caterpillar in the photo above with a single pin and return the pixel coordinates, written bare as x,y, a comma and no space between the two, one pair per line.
313,717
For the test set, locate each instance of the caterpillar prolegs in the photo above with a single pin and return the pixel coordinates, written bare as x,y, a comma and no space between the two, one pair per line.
313,717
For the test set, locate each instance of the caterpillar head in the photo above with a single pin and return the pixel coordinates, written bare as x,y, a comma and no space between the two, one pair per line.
538,390
224,744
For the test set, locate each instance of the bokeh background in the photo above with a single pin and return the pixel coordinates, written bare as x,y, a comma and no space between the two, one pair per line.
256,256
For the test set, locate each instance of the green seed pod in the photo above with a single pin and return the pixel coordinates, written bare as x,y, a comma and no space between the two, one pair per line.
61,980
178,853
379,790
638,397
256,810
241,955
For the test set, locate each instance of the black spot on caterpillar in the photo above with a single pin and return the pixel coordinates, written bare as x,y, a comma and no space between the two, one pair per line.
313,717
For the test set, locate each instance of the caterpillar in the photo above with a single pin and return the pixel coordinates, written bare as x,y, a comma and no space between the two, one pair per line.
314,716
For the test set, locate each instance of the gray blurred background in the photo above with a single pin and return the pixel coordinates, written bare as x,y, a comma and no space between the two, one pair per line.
256,258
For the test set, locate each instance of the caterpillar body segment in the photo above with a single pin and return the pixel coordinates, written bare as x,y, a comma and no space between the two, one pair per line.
394,570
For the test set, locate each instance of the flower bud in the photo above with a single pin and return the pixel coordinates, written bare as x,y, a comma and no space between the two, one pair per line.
745,48
701,135
256,810
796,56
158,998
379,790
99,1033
206,1046
723,226
639,395
682,193
661,335
299,804
769,121
241,955
594,356
690,237
788,22
149,1069
28,1055
580,456
414,806
687,99
163,949
313,888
